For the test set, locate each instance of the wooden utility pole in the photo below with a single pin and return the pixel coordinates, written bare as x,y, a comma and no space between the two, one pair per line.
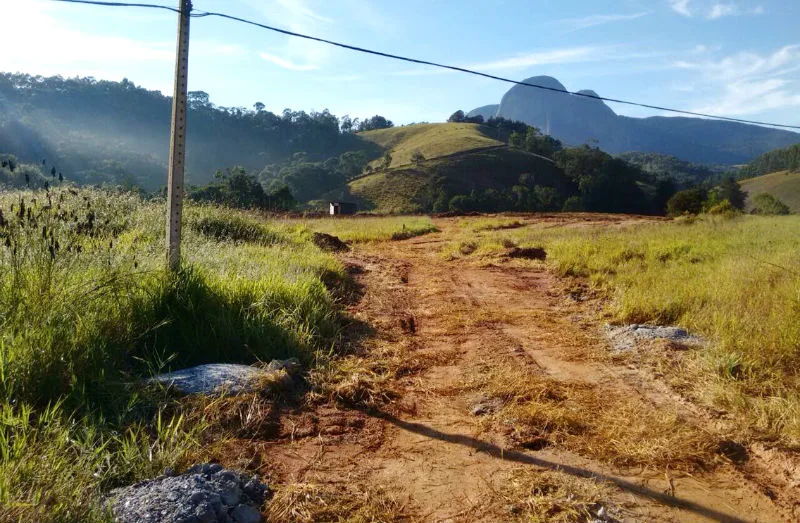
177,146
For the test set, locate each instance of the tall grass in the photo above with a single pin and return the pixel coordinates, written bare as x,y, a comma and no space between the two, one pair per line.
87,312
734,281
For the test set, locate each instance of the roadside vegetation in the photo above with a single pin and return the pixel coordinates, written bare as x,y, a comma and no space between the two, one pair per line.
87,313
733,279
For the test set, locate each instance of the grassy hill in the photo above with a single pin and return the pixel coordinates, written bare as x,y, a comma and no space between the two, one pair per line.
784,185
433,140
411,188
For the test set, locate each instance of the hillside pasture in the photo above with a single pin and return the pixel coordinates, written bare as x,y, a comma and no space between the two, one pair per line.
784,185
433,140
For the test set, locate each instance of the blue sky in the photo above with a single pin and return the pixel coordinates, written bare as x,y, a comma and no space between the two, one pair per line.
733,58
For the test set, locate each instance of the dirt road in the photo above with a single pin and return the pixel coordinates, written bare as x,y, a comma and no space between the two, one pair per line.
449,447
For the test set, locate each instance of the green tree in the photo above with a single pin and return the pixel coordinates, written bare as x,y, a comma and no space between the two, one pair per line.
387,160
573,204
456,117
279,198
730,190
376,122
688,201
461,203
233,187
605,183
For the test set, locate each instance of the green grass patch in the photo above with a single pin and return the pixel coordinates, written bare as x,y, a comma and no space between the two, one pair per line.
734,281
87,312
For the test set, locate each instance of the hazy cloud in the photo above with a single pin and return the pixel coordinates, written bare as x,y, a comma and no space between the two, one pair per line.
746,64
595,20
287,64
297,16
752,97
713,11
298,8
681,7
720,10
748,82
553,56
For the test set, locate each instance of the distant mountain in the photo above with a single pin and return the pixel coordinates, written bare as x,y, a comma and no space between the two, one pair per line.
578,120
487,111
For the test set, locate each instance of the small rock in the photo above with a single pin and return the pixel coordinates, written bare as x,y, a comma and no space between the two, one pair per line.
246,514
291,366
328,242
214,378
280,380
206,493
528,253
486,406
625,338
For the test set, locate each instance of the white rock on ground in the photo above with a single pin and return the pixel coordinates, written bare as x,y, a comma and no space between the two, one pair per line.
625,337
206,493
229,378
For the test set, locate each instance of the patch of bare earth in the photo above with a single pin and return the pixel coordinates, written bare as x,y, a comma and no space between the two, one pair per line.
487,393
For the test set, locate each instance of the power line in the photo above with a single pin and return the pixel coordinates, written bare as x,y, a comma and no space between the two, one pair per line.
119,4
203,14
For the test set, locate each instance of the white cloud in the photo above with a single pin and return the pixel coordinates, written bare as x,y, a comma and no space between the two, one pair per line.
720,10
752,97
713,11
553,56
746,64
299,7
681,7
297,16
287,64
595,20
747,82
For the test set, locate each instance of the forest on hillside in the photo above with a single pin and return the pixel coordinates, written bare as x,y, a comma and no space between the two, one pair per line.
81,130
786,159
97,131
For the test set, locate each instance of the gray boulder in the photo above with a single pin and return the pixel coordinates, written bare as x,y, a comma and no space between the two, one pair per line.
228,378
206,493
213,378
626,337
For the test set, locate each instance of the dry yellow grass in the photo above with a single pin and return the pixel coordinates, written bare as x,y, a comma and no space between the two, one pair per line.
554,497
596,421
341,503
783,185
735,282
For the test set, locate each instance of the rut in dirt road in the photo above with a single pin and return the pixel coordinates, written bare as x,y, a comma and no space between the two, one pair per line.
501,406
452,465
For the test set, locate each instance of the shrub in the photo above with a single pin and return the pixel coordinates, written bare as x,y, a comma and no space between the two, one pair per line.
723,208
766,203
573,204
689,201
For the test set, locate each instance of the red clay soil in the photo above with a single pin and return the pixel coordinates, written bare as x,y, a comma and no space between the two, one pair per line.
460,322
